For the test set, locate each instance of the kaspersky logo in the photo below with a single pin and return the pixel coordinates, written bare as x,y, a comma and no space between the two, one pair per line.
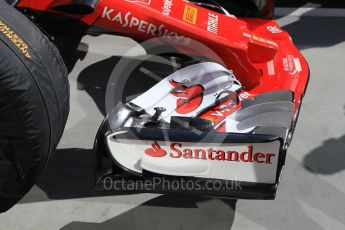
178,151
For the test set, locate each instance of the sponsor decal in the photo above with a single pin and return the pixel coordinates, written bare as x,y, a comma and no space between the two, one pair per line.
244,95
15,39
146,2
166,9
155,150
247,35
292,65
274,29
212,23
260,39
190,14
223,109
127,20
176,150
270,68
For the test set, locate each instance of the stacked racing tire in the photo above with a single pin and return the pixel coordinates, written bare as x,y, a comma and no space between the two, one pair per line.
34,104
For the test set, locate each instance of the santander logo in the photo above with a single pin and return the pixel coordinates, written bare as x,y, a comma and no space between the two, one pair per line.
155,150
178,151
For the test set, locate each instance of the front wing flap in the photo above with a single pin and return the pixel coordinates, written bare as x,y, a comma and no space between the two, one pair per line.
227,165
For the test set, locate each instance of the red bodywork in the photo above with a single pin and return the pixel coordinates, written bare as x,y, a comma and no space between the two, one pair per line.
262,55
